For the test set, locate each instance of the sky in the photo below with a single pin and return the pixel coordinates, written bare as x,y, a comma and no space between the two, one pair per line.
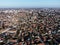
29,3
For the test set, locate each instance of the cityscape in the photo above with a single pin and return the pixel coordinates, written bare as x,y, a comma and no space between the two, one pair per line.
32,26
29,22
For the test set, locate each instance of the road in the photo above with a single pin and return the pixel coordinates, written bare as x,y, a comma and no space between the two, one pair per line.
5,30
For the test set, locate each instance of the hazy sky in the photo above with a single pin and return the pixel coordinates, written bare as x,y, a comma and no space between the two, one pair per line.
29,3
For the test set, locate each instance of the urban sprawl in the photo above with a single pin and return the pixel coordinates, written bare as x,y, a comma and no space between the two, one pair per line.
34,26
